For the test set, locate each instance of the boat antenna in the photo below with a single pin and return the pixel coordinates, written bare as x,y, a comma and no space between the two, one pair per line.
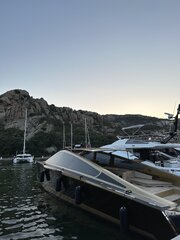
173,131
25,125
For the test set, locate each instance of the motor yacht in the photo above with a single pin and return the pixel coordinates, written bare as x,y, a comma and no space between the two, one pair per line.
129,194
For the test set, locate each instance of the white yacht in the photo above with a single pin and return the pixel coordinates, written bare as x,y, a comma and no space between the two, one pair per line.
159,154
165,157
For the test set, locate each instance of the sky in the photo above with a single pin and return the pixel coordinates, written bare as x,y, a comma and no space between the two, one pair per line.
105,56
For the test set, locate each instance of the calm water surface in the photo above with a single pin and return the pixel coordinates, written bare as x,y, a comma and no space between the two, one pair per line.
28,212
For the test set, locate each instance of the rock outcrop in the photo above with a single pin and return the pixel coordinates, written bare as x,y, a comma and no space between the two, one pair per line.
48,120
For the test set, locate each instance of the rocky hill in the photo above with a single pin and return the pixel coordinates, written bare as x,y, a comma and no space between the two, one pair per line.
45,124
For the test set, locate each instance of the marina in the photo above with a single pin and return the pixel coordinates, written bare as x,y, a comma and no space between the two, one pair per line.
131,188
86,152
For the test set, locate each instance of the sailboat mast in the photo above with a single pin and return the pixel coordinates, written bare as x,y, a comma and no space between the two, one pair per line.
87,138
64,136
71,136
25,125
85,131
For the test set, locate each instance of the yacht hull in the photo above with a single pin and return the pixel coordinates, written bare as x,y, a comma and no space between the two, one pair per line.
145,219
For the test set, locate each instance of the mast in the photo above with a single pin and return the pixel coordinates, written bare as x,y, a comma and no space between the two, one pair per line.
85,131
71,136
64,137
87,138
25,125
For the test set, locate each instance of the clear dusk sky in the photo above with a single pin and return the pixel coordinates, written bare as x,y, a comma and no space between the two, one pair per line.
106,56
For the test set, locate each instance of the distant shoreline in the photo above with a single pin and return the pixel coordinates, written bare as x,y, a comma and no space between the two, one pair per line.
11,158
6,158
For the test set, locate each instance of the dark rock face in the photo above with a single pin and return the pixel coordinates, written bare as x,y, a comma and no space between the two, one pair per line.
46,121
40,115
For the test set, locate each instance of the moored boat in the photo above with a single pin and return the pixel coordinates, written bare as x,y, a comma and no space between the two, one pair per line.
164,157
24,157
162,154
137,198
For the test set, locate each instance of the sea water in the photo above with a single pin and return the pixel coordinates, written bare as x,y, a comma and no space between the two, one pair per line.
28,212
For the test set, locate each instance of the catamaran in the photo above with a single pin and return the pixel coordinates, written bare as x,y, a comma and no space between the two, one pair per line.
24,157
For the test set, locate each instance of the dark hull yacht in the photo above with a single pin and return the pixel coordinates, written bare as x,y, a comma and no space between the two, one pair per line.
137,198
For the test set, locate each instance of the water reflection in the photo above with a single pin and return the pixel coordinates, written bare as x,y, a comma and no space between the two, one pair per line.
27,212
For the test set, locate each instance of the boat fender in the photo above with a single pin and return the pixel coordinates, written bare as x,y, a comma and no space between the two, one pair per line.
78,198
123,214
64,183
41,176
58,184
47,173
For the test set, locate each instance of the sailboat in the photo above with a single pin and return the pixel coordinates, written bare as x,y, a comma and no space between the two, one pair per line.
24,157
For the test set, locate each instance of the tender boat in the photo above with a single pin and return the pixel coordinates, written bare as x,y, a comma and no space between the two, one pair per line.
134,196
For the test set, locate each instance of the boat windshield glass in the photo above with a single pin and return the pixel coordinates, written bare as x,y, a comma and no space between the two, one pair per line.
71,161
100,157
108,179
64,159
136,141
